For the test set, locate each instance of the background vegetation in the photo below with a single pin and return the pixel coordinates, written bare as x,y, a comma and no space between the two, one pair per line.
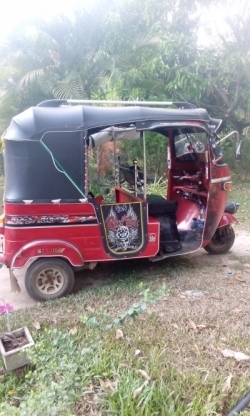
131,50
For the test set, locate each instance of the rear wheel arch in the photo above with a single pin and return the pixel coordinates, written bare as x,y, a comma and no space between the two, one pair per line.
47,249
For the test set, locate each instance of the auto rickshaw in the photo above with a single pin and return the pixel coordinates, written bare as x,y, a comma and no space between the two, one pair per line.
53,225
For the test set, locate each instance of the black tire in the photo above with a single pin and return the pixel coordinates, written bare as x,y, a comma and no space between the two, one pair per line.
49,279
222,241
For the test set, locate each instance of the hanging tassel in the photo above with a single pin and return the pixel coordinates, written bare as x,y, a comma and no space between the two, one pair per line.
14,283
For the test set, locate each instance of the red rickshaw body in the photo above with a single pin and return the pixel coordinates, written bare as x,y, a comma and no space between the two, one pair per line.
78,243
49,215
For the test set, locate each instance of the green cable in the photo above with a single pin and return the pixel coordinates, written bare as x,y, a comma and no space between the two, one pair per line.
62,169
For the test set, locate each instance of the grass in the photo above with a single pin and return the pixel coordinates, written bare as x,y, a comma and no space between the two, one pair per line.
241,193
79,367
96,348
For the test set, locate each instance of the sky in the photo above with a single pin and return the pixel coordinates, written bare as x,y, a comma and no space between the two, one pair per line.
12,12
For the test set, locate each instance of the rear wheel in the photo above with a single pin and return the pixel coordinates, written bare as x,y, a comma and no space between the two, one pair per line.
222,240
49,279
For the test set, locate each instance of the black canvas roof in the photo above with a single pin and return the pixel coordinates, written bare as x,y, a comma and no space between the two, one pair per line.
34,122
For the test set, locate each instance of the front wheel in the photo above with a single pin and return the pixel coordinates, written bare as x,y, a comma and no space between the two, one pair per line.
222,240
49,279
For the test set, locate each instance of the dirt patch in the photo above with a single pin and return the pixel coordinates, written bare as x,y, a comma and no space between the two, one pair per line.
106,273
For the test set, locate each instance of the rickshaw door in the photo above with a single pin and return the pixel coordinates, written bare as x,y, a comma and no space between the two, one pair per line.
123,228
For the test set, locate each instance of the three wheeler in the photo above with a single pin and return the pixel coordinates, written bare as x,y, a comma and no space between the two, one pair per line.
52,225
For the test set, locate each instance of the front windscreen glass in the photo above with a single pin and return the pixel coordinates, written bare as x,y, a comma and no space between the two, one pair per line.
189,145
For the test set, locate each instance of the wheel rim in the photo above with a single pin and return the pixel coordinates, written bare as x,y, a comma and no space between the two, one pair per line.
50,281
221,240
218,242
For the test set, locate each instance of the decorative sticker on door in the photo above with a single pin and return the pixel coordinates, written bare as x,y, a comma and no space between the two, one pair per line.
124,227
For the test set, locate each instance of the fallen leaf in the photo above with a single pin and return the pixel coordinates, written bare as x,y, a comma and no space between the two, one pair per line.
227,385
119,334
194,293
102,384
36,325
73,330
193,325
125,363
144,374
14,403
137,352
208,326
89,309
108,385
214,296
138,391
197,348
128,340
175,326
239,356
111,385
240,279
237,310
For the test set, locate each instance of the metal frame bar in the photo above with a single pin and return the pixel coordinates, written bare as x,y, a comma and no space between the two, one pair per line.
160,103
230,134
144,165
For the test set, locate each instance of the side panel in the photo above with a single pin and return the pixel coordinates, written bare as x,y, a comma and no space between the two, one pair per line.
26,224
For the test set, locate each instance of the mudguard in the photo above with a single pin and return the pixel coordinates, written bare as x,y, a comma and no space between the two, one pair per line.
47,248
227,219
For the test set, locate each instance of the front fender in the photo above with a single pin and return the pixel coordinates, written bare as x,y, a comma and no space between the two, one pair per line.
227,219
47,248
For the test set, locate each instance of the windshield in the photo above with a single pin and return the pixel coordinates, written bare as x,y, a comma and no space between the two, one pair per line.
189,146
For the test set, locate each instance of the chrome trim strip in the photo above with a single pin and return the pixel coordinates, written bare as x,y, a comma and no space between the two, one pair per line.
218,180
48,226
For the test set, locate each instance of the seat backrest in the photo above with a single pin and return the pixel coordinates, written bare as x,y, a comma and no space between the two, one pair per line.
128,174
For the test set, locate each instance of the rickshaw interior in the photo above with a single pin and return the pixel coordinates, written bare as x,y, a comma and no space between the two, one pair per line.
187,188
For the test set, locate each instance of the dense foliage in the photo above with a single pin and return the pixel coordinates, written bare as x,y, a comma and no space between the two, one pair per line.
132,49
